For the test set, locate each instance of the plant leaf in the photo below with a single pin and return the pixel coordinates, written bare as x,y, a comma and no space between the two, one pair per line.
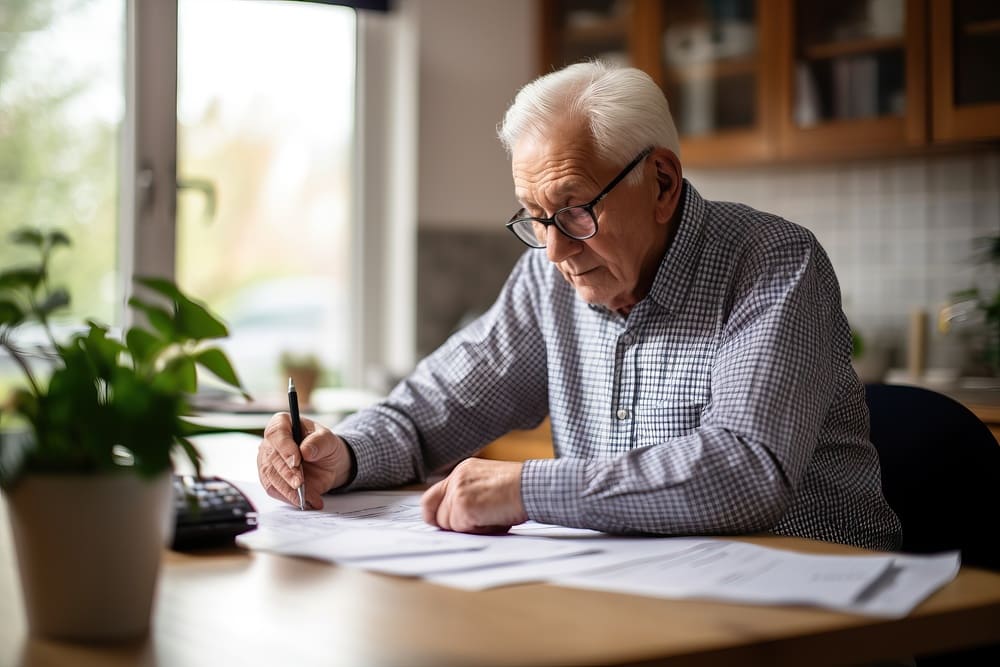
161,286
189,429
25,276
57,298
192,453
182,370
194,321
10,313
57,238
27,236
143,346
158,317
103,351
216,361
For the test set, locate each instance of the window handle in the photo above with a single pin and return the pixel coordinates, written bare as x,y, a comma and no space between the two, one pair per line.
207,189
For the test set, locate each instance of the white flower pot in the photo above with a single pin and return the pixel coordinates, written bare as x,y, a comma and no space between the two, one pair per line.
88,550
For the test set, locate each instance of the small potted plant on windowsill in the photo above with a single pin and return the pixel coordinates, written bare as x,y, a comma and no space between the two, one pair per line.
304,370
85,459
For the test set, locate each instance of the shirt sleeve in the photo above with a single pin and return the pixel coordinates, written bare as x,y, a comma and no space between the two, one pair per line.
772,383
487,379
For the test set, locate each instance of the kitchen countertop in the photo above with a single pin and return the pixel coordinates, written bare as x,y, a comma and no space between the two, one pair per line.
980,395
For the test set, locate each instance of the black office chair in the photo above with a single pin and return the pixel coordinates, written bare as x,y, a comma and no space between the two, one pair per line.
940,472
941,475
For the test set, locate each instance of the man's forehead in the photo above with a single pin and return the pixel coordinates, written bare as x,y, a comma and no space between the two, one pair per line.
556,166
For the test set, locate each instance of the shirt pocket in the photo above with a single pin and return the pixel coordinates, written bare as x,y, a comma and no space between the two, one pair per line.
673,404
665,419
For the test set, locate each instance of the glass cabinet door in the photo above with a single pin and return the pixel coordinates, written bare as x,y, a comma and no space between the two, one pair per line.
965,39
576,30
854,76
713,70
708,56
710,65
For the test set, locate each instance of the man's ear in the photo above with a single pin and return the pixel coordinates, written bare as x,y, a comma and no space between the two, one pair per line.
669,180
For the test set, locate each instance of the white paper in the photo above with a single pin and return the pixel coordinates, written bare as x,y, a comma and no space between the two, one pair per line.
609,552
498,552
385,532
740,572
908,582
354,527
363,545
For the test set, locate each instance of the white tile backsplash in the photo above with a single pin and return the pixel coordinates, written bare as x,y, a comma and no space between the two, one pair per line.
900,232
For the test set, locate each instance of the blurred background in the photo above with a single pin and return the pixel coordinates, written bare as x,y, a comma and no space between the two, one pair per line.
328,178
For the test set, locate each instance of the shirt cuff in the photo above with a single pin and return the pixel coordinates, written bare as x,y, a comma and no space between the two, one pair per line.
364,461
353,472
551,490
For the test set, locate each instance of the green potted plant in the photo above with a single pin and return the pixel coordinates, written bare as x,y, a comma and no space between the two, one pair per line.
979,307
85,458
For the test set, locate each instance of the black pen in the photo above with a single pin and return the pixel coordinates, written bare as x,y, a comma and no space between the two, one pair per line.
293,408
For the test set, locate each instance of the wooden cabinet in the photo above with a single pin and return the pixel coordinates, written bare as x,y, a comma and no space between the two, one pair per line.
753,81
709,57
719,76
521,445
853,77
965,57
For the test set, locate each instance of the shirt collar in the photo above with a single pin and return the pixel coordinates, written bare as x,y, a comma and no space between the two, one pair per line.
678,264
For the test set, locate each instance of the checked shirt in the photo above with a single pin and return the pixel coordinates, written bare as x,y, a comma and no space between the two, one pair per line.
724,403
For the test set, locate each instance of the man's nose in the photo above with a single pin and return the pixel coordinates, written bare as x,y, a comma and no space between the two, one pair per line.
558,246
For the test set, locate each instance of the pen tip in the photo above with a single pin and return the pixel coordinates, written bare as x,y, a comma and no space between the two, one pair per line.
291,385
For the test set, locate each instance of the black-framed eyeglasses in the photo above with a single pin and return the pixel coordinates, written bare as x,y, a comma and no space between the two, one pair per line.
578,222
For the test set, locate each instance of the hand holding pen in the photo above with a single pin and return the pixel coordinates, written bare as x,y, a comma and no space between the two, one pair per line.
295,449
293,410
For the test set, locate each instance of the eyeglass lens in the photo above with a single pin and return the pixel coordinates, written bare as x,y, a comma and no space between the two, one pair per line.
576,222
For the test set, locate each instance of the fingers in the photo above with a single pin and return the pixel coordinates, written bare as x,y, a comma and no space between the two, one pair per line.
278,434
321,461
278,460
438,507
319,445
326,453
276,495
477,497
272,478
431,501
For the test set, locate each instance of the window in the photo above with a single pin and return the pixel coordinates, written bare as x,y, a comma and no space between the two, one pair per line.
265,129
291,152
61,104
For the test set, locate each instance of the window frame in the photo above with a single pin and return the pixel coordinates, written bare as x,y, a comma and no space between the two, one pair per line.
382,339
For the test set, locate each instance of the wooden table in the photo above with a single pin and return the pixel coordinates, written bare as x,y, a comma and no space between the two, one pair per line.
229,607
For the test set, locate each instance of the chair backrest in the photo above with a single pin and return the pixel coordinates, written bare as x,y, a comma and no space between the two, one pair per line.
940,472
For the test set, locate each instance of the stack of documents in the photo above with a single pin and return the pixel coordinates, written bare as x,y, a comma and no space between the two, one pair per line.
385,532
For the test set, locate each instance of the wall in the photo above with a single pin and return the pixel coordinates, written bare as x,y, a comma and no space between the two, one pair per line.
901,233
474,56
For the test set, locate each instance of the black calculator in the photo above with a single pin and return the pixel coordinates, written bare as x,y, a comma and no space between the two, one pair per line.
210,512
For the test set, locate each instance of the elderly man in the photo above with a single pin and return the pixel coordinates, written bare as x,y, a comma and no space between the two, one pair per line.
693,355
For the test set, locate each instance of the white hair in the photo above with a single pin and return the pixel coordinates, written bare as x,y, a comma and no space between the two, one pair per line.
622,106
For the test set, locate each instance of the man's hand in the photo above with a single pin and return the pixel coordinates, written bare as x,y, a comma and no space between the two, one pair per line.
479,496
279,462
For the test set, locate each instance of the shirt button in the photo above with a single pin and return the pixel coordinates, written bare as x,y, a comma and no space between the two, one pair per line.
622,414
627,339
